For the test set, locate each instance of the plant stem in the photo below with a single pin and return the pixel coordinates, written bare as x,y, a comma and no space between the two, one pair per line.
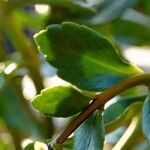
130,137
2,47
17,138
26,49
30,57
99,102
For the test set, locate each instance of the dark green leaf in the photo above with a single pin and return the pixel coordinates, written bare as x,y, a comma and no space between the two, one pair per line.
60,101
83,57
146,117
143,6
90,134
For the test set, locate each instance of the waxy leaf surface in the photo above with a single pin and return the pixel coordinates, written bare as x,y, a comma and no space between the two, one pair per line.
90,134
60,101
83,57
117,108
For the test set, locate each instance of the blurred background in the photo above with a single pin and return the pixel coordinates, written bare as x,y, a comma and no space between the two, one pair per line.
24,72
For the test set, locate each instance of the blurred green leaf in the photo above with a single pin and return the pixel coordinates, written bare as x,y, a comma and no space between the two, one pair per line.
146,117
13,4
137,17
124,117
60,101
68,144
55,146
13,111
30,19
110,10
117,108
90,134
130,32
89,61
143,6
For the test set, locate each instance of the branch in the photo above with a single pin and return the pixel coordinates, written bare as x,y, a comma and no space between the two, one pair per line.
24,46
99,102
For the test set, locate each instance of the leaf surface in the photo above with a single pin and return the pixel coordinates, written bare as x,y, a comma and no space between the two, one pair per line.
117,108
125,117
146,117
83,57
90,134
13,111
60,101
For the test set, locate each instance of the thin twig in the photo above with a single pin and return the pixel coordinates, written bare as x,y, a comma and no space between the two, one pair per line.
100,100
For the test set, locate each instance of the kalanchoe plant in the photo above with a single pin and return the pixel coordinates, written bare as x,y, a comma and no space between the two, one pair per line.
99,98
90,63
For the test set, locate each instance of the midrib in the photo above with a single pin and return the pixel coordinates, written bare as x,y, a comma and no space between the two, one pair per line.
105,65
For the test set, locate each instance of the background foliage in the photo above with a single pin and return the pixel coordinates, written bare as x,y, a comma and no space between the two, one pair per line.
126,23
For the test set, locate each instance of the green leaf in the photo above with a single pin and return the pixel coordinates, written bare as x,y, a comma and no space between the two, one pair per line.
117,108
13,111
124,117
60,101
110,10
90,134
144,6
121,111
30,19
55,146
68,144
89,61
135,34
146,117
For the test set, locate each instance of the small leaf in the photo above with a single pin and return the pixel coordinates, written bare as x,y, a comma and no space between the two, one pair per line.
117,108
60,101
146,117
90,134
68,144
89,61
124,117
55,146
